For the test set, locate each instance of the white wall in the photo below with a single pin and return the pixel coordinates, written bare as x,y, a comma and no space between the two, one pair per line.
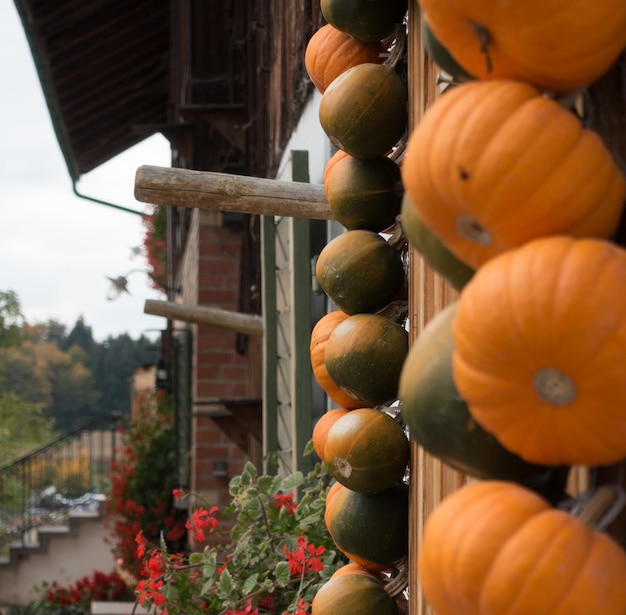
67,559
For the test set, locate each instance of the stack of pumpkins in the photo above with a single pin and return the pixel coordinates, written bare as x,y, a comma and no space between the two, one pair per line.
358,350
524,375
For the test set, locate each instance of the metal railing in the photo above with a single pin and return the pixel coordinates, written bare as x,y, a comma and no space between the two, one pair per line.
69,475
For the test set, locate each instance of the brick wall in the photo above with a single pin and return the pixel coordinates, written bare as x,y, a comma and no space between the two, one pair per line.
210,276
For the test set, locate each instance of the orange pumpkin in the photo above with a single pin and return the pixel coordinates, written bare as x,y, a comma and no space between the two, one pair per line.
319,338
540,349
557,46
364,110
322,427
496,548
353,593
494,164
364,356
331,52
367,450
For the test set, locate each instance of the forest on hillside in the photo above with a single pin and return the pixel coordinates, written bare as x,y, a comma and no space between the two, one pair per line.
54,379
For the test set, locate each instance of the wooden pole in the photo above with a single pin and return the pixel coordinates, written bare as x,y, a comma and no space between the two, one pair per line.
226,192
249,324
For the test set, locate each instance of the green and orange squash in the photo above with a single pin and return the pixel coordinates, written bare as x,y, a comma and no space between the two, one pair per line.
359,271
319,338
365,20
370,529
364,110
360,593
364,357
366,450
330,52
364,194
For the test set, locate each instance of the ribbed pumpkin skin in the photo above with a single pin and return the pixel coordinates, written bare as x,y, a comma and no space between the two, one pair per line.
493,165
539,350
363,19
440,422
331,52
364,110
353,593
370,528
364,356
431,247
367,450
359,271
319,338
494,547
557,46
364,194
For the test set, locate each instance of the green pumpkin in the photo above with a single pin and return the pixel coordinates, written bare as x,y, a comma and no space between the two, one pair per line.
439,420
364,110
364,357
432,249
365,194
366,20
371,528
359,271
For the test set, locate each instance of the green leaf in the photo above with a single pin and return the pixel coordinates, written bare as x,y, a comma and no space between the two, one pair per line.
250,584
265,483
282,574
308,449
226,583
195,558
292,481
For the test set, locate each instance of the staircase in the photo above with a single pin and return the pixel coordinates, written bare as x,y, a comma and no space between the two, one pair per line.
51,526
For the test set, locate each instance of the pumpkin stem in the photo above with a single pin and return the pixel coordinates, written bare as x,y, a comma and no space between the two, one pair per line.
470,229
601,507
484,38
344,467
399,582
398,49
554,386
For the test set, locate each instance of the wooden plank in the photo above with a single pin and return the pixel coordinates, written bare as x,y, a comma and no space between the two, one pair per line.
226,192
270,351
431,480
249,324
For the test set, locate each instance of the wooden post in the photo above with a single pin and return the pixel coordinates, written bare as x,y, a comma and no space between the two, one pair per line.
236,193
249,324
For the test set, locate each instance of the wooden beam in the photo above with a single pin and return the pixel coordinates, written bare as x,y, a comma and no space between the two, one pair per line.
249,324
226,192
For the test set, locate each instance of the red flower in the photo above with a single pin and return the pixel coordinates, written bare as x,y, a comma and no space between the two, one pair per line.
304,558
177,493
201,520
285,500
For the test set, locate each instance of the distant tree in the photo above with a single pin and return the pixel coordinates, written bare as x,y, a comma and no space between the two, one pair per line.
41,373
11,319
23,427
81,336
55,333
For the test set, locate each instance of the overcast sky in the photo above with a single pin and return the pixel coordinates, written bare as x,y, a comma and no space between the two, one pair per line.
56,249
